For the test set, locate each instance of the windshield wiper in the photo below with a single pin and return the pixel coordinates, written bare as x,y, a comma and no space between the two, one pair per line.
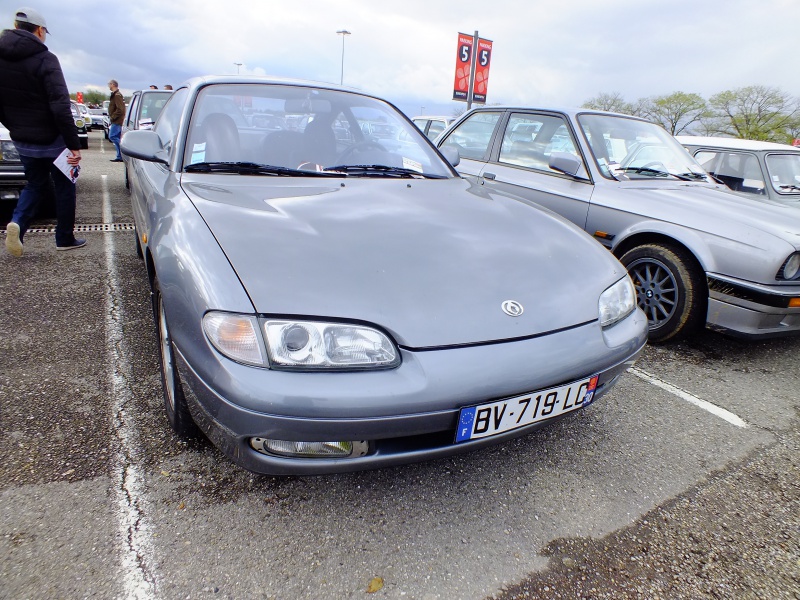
789,186
381,171
660,173
249,168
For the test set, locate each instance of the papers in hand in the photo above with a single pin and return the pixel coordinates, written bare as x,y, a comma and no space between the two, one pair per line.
71,171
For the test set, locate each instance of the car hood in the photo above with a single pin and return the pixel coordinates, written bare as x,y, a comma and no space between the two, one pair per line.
430,261
709,208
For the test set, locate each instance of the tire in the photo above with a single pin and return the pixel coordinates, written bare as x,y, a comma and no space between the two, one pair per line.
670,289
174,400
85,143
127,181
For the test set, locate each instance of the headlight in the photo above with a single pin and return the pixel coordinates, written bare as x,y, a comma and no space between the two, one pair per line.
8,151
617,302
791,267
319,345
235,336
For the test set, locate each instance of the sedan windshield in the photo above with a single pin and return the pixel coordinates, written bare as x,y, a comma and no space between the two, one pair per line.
627,149
298,131
784,172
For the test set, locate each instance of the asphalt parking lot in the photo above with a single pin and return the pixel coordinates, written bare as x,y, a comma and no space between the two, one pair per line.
681,483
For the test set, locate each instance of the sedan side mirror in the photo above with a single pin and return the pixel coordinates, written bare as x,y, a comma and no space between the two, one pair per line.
565,162
144,145
451,155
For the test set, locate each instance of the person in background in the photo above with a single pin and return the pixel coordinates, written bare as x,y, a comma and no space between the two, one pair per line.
35,107
153,87
168,87
116,114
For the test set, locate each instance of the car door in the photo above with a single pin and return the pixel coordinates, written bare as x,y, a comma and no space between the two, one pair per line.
473,139
150,180
520,164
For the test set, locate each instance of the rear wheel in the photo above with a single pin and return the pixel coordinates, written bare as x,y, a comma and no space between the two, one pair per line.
174,401
670,289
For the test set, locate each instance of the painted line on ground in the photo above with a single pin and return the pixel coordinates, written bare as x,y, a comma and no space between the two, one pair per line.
137,581
715,410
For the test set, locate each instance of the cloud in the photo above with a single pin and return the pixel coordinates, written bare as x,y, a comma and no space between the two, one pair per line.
543,54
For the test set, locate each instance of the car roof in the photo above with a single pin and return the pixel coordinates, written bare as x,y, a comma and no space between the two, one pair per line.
571,111
733,143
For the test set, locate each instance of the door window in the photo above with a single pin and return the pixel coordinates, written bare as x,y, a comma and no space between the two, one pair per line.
472,137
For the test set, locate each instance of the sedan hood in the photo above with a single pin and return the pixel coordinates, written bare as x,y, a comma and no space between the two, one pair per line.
716,210
429,261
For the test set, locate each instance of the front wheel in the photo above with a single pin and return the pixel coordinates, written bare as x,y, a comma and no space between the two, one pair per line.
670,289
174,401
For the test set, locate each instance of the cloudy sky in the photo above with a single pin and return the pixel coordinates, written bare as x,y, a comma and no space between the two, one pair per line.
544,53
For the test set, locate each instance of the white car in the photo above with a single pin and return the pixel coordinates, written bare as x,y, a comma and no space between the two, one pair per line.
760,170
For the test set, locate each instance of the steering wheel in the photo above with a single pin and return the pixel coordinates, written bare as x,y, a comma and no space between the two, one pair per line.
360,147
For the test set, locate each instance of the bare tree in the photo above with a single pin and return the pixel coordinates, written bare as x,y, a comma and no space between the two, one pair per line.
754,113
676,112
612,102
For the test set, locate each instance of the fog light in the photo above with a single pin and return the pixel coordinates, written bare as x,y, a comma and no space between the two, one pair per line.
309,449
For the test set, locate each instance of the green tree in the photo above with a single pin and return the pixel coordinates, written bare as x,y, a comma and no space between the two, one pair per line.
612,102
754,113
676,112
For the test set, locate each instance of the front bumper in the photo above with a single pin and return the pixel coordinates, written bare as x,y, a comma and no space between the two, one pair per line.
752,311
407,414
12,180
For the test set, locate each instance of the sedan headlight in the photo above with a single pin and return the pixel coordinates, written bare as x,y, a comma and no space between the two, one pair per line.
320,345
617,302
235,336
8,151
790,268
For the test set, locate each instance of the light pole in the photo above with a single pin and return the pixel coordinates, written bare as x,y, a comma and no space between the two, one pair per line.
344,33
237,67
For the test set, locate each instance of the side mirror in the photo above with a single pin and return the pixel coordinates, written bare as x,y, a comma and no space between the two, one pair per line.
144,145
565,162
451,155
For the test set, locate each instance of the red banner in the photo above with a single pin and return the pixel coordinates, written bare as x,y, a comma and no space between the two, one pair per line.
484,58
463,63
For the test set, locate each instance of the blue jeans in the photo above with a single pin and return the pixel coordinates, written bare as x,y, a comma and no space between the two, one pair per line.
39,172
114,133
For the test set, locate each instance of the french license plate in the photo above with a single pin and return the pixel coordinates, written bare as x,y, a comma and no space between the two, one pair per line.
489,419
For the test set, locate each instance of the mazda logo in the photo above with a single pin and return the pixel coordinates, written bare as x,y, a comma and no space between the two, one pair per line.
512,308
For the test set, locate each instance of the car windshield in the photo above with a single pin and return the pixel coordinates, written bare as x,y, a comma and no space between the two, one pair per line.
294,131
784,172
627,149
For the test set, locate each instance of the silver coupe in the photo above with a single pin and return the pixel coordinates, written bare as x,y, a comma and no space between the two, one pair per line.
325,304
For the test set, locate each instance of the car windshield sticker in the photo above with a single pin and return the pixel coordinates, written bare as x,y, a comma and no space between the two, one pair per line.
198,153
412,165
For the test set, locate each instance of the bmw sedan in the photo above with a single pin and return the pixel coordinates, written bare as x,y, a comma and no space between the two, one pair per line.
698,254
325,304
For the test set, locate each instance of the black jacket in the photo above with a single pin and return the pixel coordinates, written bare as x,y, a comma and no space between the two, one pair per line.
34,99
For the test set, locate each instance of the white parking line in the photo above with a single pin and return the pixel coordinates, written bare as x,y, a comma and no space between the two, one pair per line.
138,582
705,405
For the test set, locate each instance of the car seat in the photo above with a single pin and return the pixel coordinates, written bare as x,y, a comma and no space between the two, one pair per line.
221,137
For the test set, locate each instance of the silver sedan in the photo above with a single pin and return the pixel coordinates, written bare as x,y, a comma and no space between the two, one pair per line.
698,253
324,303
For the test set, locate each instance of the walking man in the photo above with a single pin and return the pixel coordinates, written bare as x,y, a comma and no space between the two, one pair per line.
116,115
35,107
